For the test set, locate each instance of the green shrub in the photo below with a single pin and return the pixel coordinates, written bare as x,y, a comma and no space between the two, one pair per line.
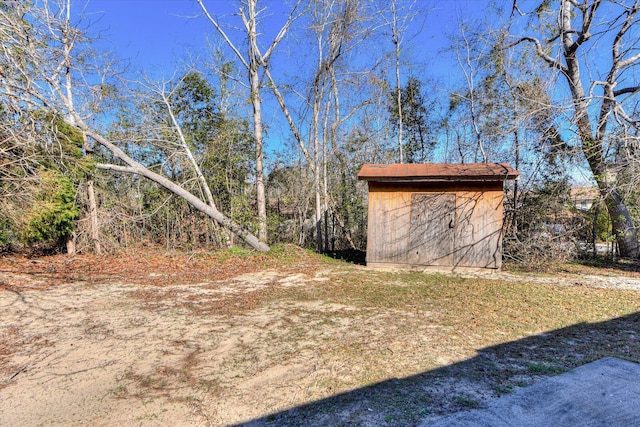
51,218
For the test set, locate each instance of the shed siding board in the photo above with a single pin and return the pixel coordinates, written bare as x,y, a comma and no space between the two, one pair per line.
431,231
389,224
396,229
479,229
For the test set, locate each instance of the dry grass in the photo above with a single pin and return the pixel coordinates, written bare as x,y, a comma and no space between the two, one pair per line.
454,342
292,338
590,266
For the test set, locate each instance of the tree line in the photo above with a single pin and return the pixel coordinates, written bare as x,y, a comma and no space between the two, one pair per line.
92,159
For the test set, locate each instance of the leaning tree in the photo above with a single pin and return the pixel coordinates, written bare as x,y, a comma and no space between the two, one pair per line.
594,45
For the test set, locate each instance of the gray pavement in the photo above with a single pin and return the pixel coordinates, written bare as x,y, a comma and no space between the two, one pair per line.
602,393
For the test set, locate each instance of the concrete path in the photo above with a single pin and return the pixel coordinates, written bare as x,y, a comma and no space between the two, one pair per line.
602,393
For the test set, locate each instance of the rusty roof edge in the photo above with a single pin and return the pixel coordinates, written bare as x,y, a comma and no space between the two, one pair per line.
439,179
509,173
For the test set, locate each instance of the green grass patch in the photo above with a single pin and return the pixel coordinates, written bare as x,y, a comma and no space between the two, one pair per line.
545,369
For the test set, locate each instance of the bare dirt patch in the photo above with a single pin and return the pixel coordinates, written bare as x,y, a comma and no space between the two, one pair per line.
284,338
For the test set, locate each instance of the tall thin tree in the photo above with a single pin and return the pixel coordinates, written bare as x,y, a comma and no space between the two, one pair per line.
253,62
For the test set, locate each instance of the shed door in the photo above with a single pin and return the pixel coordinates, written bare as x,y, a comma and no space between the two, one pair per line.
432,229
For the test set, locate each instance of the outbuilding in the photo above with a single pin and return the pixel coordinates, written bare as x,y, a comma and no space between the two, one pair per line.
443,215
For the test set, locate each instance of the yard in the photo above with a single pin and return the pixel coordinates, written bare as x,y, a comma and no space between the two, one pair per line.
288,337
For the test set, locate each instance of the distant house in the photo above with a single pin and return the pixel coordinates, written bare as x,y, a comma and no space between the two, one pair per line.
584,197
443,215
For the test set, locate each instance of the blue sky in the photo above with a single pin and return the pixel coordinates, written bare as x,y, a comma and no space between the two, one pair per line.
157,35
152,34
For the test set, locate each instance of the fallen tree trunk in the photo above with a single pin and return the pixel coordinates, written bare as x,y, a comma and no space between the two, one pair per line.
135,167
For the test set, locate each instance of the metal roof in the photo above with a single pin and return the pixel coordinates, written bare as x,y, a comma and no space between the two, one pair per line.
421,172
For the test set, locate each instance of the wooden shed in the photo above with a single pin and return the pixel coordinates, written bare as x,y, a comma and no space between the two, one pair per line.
444,215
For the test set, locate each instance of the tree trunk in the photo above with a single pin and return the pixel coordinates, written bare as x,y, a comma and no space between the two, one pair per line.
255,60
592,146
70,243
622,224
254,80
94,234
318,217
395,37
261,198
594,229
93,218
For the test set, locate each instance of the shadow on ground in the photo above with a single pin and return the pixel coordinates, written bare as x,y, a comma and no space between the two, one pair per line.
352,256
625,265
468,384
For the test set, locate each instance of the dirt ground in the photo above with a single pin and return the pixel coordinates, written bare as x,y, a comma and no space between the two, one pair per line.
228,339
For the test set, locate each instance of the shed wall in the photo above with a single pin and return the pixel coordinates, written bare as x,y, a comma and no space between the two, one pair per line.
402,232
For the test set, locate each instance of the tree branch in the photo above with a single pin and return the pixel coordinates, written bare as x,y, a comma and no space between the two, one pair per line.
285,110
629,61
282,32
117,168
222,33
624,91
552,62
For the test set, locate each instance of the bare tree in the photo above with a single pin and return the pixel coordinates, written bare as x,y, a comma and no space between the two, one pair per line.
335,30
164,95
581,35
253,61
396,37
331,25
401,16
463,51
